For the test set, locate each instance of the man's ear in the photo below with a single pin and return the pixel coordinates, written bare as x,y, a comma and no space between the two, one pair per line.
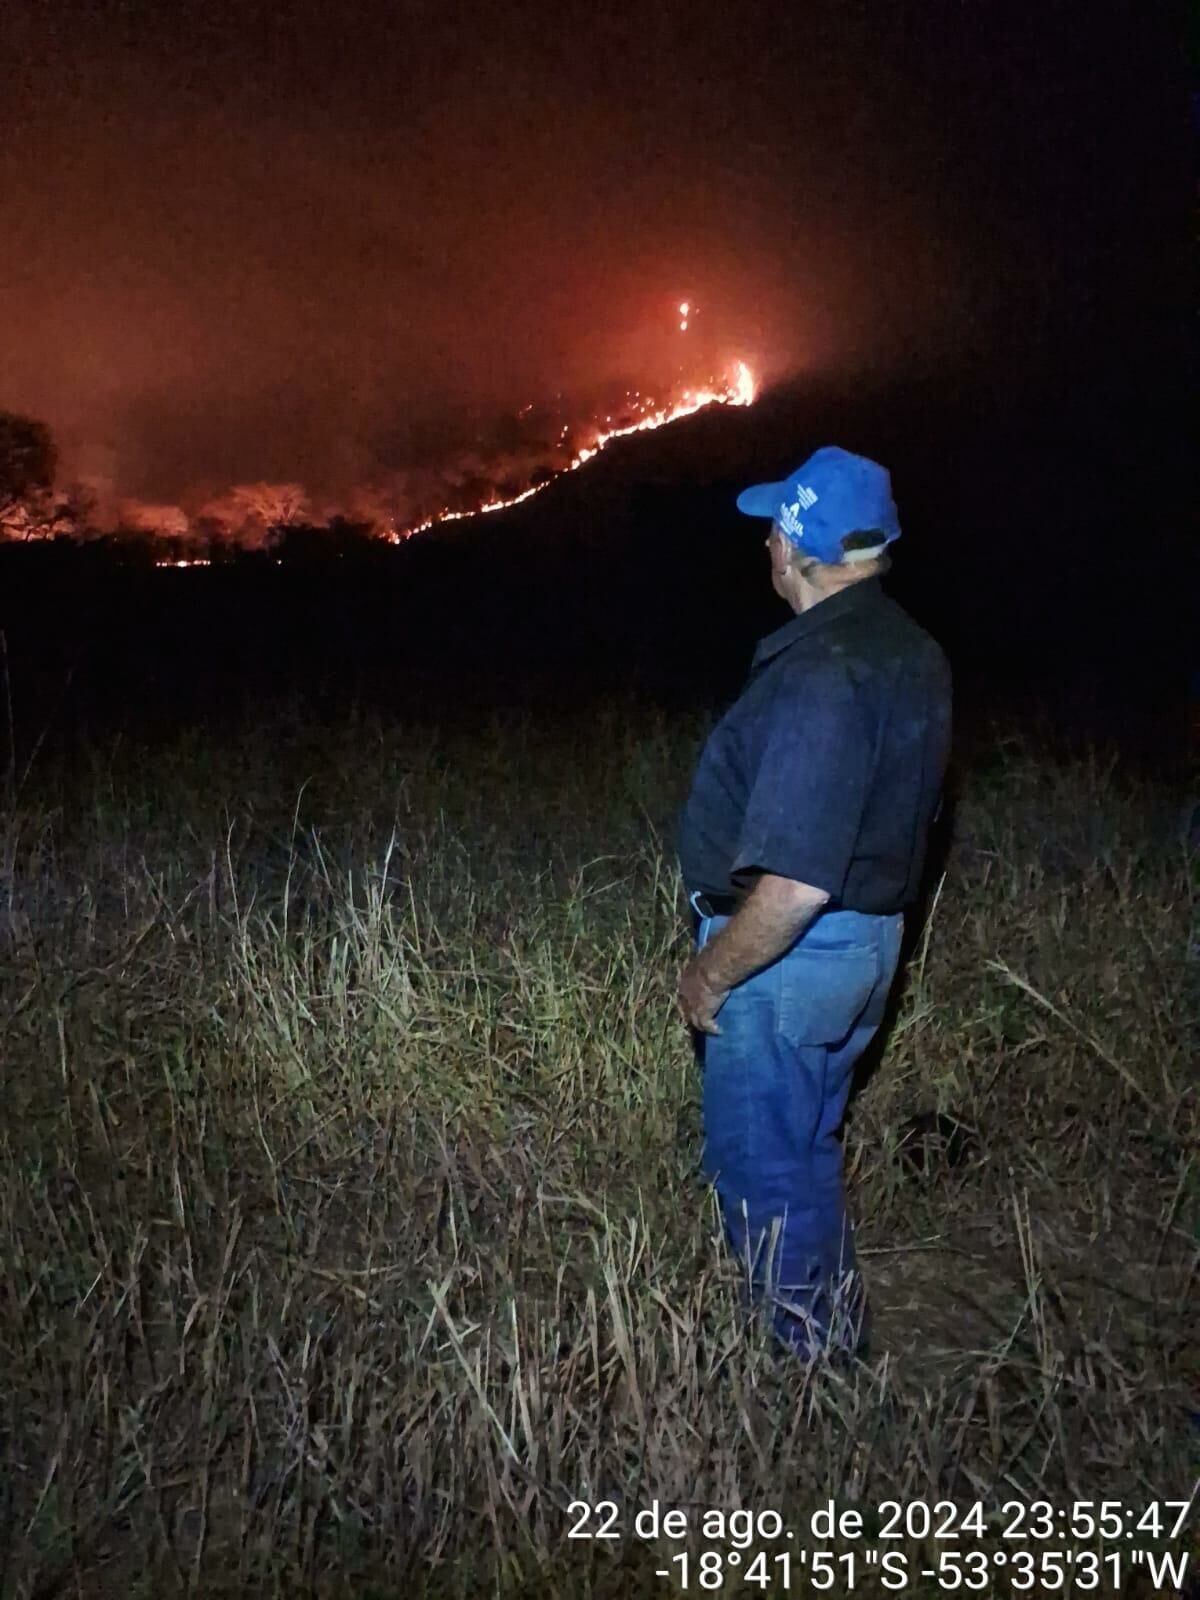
781,555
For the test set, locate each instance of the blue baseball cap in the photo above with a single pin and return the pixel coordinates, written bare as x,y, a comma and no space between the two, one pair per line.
834,493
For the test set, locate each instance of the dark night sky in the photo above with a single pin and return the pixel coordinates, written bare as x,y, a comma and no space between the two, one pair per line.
272,240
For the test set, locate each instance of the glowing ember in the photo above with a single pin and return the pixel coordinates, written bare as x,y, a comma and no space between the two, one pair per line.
198,561
743,385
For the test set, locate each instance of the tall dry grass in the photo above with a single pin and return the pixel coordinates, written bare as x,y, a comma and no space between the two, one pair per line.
351,1217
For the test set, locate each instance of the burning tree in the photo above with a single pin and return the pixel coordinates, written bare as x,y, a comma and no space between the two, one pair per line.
272,505
253,515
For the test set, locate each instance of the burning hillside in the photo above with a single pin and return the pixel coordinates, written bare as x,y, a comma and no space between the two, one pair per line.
495,467
638,414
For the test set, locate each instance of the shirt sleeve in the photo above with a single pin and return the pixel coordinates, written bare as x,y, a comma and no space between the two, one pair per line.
806,801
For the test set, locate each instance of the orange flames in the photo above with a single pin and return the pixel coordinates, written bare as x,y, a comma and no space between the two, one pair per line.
735,390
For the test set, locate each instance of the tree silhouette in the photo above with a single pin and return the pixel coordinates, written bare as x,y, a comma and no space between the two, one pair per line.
27,458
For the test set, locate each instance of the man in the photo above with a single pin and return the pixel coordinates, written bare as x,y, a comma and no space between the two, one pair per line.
801,844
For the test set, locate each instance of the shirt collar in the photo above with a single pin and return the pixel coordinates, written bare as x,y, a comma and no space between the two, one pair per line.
844,603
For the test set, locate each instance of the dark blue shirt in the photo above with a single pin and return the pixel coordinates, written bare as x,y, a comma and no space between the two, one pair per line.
829,766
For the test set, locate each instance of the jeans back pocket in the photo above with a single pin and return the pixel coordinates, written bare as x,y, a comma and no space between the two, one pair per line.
824,992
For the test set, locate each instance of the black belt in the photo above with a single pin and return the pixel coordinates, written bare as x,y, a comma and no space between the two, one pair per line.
725,905
717,905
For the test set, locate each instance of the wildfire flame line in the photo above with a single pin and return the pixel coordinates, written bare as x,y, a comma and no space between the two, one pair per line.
739,390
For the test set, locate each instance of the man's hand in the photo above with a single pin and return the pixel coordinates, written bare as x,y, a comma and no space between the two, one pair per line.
770,919
699,1000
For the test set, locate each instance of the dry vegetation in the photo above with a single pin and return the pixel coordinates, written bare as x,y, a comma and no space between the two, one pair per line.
351,1223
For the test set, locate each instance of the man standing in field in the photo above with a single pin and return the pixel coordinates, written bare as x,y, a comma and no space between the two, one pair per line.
801,844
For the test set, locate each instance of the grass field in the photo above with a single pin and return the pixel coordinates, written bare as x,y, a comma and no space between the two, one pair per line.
351,1220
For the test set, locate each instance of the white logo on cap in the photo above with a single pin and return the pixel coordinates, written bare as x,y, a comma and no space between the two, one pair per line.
789,516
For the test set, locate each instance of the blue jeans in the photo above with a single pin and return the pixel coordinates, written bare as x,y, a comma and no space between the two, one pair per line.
776,1081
